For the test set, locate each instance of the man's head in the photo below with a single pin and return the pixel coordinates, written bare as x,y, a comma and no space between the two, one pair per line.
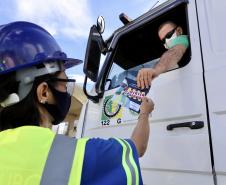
167,30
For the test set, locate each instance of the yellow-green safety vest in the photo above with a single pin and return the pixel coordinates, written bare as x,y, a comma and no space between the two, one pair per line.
32,155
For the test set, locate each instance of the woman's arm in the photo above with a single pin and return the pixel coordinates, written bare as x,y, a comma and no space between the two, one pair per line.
140,133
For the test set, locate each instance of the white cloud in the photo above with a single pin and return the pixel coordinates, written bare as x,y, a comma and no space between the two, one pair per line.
71,18
149,4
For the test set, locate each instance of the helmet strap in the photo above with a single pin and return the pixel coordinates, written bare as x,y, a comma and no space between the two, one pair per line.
26,76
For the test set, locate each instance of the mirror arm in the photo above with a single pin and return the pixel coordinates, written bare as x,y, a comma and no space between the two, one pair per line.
102,46
94,99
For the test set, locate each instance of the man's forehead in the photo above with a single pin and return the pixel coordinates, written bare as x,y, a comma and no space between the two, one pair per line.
167,26
164,30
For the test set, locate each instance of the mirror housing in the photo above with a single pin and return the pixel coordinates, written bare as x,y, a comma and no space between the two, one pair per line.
93,54
95,47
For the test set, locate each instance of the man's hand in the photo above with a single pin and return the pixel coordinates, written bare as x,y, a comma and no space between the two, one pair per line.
168,61
145,77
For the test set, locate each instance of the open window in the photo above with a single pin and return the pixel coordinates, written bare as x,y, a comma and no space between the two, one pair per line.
141,46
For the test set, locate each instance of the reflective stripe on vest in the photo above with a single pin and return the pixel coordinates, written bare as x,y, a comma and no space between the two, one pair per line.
58,165
128,163
24,154
76,171
65,161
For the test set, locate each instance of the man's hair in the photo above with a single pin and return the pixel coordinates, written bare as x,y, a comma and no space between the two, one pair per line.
167,22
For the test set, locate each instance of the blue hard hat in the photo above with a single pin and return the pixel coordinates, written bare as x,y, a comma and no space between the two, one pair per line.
24,44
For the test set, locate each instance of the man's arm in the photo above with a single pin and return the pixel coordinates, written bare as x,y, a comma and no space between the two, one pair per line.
168,60
140,133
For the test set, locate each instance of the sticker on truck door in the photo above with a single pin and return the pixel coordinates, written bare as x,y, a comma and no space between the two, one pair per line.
124,104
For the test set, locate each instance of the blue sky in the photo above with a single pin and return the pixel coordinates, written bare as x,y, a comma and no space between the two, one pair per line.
69,20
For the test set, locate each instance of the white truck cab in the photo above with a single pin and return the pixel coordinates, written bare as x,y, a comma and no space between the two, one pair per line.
187,143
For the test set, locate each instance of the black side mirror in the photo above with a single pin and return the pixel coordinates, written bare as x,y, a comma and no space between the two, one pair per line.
93,54
95,46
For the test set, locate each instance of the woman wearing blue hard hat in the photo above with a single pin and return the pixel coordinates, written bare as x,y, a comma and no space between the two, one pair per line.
35,91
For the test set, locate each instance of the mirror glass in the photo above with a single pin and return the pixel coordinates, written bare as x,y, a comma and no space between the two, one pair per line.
93,54
100,24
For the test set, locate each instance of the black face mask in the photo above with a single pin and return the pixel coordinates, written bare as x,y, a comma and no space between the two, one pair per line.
59,110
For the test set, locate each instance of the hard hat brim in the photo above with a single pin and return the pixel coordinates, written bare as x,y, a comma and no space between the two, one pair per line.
71,62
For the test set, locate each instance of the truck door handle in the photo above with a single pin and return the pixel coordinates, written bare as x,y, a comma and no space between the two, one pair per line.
191,125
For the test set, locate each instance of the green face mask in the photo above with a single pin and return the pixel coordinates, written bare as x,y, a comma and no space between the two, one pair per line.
181,39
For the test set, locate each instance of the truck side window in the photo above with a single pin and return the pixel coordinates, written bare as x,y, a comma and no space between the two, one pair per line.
141,47
118,74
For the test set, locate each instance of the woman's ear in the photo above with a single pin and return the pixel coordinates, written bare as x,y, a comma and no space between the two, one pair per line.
43,92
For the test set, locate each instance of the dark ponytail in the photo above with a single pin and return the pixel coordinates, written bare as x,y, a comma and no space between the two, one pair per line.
8,85
24,112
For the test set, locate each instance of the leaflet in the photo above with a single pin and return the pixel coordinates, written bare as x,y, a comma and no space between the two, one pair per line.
123,104
134,94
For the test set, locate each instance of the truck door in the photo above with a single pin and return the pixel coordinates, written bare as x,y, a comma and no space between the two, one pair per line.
212,31
178,156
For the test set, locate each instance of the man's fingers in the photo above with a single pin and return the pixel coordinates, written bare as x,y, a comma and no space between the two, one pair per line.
142,83
144,78
138,79
150,75
146,83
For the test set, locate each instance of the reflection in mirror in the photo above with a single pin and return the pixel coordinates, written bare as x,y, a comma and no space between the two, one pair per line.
100,24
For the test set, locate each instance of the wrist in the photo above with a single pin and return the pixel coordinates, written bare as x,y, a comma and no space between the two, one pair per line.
143,115
160,68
